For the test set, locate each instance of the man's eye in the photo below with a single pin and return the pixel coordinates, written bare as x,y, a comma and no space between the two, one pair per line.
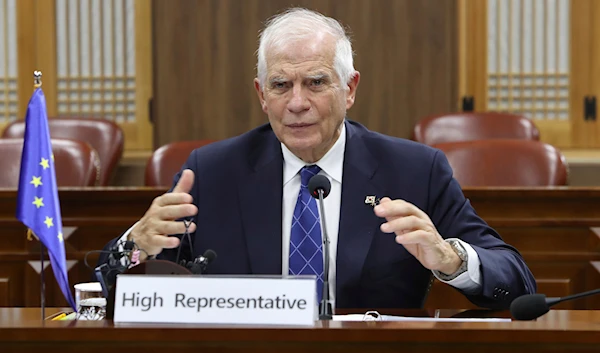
278,85
317,82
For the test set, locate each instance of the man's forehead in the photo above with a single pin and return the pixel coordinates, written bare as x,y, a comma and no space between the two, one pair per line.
284,71
308,65
321,47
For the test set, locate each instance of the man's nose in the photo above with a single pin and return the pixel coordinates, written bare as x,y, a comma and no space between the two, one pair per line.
299,102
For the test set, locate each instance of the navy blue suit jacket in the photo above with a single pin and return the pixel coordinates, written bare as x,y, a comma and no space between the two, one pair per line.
238,190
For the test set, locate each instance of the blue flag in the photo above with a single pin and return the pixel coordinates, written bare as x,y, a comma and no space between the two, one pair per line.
38,206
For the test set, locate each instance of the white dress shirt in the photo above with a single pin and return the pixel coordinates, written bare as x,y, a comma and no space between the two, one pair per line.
332,166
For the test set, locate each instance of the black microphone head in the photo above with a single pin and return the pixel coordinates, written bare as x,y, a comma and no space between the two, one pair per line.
128,246
210,256
319,182
529,307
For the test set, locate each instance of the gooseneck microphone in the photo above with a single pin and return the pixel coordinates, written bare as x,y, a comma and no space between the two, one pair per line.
319,187
532,306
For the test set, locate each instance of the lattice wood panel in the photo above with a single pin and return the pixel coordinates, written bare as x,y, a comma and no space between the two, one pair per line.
528,58
96,58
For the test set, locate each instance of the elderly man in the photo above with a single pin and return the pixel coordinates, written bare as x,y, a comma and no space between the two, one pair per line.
248,199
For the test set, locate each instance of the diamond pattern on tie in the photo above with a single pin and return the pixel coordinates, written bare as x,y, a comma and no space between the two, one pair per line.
306,243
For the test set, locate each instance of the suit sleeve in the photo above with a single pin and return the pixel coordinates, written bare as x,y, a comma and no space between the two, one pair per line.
504,274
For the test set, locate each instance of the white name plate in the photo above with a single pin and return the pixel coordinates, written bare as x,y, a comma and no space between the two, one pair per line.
215,300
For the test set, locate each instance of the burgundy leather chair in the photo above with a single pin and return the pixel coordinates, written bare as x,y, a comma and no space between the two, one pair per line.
76,163
506,163
474,126
105,136
167,160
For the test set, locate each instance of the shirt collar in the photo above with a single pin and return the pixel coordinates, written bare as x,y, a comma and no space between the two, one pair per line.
332,163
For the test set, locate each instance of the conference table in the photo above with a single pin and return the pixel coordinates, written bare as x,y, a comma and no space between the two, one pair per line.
23,330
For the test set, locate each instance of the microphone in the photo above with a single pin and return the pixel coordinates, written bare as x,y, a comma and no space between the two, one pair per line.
319,187
199,264
532,306
106,273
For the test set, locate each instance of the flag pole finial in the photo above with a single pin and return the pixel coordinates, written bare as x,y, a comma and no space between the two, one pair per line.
37,79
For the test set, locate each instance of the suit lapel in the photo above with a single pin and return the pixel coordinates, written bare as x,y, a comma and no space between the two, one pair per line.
260,203
358,222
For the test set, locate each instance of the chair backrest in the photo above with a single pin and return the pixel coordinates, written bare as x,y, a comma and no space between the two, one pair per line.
103,135
167,160
506,163
76,162
474,126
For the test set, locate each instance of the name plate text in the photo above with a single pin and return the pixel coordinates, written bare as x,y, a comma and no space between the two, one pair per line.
215,300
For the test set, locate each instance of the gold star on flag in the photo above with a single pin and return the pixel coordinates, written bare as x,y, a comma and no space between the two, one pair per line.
38,202
36,181
48,222
60,237
44,163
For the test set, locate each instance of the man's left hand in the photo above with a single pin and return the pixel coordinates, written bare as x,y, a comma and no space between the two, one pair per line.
416,232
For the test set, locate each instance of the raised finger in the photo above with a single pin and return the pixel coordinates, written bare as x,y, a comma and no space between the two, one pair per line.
419,236
173,227
185,183
173,198
163,242
403,224
173,212
397,208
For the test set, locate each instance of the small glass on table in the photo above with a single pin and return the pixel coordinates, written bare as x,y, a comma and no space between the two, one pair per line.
91,305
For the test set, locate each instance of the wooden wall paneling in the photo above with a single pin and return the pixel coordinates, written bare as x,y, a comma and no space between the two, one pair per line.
32,284
204,63
556,287
141,129
5,292
25,49
593,280
583,133
31,291
545,240
560,278
11,282
45,54
472,57
593,72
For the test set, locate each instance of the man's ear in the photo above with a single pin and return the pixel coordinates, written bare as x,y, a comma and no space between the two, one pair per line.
261,95
352,86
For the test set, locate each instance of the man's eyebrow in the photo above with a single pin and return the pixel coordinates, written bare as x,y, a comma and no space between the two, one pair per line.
318,76
276,79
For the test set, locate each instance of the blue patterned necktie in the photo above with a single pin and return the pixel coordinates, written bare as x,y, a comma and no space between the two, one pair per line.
306,244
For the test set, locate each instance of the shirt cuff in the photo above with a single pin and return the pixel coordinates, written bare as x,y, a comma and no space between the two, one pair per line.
470,280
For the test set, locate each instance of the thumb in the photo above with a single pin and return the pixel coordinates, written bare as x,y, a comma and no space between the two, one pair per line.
186,181
385,199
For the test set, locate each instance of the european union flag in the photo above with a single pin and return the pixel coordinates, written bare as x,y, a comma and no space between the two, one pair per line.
38,206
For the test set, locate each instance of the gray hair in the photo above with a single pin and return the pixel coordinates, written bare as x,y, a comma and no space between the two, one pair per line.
298,23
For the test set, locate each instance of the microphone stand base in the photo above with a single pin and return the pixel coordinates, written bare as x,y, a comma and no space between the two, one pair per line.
324,317
325,311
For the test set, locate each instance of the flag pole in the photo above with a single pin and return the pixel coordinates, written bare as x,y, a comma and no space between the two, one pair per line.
37,83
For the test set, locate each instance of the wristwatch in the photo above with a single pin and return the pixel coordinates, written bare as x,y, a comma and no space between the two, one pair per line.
462,254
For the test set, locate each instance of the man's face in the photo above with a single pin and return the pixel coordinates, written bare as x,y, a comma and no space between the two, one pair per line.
303,97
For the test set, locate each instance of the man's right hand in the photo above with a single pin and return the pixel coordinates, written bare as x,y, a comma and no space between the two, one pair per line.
151,233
